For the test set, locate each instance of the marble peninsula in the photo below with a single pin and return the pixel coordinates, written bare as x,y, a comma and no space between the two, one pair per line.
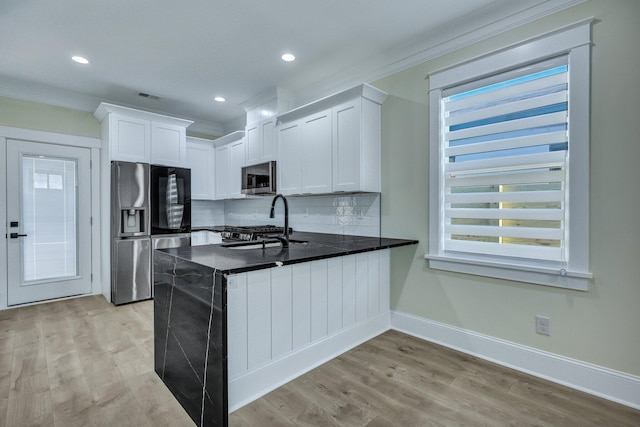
199,307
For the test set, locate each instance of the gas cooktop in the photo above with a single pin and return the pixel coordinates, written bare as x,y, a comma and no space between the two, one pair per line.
251,232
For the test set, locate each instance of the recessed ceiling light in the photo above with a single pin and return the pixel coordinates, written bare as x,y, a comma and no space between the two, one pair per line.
80,59
288,57
219,99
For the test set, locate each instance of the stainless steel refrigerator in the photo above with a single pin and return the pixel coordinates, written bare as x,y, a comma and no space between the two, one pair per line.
131,247
150,209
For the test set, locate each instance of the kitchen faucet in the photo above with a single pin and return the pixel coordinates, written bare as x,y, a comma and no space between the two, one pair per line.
283,239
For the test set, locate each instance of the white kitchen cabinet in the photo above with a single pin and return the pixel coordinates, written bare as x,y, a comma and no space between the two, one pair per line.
205,237
304,159
261,141
198,238
200,158
129,138
289,150
230,158
315,153
139,136
236,163
334,144
168,144
222,172
357,147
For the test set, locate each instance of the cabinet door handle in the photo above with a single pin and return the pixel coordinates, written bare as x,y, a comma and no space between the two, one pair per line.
16,235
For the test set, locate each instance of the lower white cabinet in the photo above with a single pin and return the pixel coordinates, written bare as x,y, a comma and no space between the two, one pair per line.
201,160
205,237
285,320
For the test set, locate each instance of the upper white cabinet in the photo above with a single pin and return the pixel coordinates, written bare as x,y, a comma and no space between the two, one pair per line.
222,172
236,163
230,158
139,136
332,145
261,141
357,146
201,160
315,156
129,138
304,164
168,144
288,166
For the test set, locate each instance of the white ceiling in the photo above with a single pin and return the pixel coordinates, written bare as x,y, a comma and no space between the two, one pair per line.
188,52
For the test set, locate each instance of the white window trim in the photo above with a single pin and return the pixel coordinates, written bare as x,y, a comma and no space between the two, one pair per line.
574,40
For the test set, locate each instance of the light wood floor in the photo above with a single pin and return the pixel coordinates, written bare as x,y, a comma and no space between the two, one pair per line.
84,362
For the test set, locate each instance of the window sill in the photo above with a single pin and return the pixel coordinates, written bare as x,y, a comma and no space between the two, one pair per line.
538,275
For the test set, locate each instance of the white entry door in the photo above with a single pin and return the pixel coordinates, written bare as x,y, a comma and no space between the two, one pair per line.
49,221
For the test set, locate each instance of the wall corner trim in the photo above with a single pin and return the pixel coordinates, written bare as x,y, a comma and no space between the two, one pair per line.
596,380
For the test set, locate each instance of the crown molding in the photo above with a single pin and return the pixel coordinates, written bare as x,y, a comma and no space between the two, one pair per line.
473,28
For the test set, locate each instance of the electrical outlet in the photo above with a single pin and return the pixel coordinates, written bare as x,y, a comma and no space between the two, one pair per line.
543,325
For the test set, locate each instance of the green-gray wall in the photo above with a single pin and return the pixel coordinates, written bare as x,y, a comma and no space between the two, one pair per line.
50,118
36,116
601,326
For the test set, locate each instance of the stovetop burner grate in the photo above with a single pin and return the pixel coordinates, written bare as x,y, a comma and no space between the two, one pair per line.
251,232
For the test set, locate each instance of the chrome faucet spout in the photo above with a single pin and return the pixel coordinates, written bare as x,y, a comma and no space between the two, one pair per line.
285,239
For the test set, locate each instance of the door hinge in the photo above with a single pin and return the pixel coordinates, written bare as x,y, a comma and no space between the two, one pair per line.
91,277
90,220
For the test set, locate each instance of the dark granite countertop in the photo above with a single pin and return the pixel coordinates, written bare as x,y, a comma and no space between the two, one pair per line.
214,228
318,246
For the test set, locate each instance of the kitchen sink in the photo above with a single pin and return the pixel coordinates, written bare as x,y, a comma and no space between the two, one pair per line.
261,244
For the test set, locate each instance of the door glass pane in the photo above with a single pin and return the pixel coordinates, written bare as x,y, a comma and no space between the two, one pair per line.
49,215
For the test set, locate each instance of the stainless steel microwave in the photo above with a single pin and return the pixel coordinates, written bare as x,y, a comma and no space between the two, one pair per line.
259,179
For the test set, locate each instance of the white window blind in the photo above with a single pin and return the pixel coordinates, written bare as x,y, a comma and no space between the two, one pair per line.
505,150
509,162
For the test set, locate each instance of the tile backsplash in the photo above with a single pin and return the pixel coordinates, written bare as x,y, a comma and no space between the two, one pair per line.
207,212
352,214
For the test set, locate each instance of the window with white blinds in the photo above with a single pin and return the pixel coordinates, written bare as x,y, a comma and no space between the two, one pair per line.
509,144
505,151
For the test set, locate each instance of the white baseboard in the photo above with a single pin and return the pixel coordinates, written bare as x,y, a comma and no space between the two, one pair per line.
602,382
255,384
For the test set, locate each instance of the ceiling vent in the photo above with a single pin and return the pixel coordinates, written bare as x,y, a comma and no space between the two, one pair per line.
148,96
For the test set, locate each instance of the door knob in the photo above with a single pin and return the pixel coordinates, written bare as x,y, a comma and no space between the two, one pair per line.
16,235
